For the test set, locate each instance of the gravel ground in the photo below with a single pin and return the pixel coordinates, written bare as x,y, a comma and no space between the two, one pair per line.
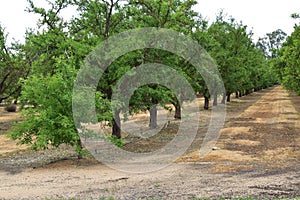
70,179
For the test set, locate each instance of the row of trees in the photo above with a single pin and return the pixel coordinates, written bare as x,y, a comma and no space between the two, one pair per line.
41,72
287,63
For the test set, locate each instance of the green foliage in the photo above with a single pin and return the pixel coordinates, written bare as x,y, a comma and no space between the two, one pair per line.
241,64
55,51
12,68
271,43
47,112
119,142
47,93
175,14
288,65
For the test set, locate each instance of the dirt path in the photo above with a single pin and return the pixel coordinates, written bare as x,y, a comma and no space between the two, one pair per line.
259,157
265,133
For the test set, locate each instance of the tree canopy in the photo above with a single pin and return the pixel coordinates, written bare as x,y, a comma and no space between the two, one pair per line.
287,65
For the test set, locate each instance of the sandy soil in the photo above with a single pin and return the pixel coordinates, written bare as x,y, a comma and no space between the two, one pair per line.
259,156
6,121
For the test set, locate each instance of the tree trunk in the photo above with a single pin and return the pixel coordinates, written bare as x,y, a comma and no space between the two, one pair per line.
79,143
153,117
240,94
116,129
177,110
215,102
153,114
237,95
223,99
247,92
228,97
206,103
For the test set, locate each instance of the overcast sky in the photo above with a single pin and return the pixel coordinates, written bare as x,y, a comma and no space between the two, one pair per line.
261,16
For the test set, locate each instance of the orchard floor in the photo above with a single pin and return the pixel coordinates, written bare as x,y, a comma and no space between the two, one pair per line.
258,156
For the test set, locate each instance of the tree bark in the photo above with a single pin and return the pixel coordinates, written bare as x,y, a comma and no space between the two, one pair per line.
153,117
215,102
116,129
79,143
247,92
177,110
206,103
153,114
237,95
223,99
228,97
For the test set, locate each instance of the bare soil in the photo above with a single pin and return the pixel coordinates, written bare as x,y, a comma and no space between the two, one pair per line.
258,156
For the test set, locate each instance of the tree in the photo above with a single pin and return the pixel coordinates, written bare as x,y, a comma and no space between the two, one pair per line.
242,64
47,92
96,21
57,49
176,15
13,69
233,42
210,44
271,43
288,65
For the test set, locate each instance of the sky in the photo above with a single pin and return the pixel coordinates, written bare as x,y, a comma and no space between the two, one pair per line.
261,16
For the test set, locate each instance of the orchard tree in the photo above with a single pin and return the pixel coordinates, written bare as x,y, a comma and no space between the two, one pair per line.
288,65
241,64
172,14
233,41
55,51
13,69
210,44
47,92
96,21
